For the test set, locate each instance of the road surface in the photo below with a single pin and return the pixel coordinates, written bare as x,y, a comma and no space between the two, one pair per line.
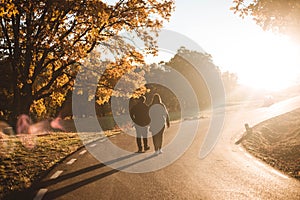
228,172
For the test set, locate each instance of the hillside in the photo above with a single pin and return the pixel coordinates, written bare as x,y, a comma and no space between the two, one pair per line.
277,142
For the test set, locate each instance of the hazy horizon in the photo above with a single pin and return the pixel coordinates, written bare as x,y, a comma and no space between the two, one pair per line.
260,59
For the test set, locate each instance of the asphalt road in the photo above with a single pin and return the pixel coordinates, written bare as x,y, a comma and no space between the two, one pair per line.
228,172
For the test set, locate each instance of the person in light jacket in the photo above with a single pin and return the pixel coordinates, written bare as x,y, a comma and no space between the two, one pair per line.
159,119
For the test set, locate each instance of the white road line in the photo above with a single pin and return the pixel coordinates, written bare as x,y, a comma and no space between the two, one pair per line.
82,152
264,165
272,170
279,174
40,194
56,174
71,161
260,163
103,140
248,155
93,145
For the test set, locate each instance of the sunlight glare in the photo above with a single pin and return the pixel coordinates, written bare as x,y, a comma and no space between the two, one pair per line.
271,62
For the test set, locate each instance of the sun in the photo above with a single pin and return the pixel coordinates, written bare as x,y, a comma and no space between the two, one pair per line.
271,63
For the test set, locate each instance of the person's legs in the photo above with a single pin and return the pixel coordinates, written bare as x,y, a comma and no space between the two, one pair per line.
155,142
145,138
146,147
160,139
138,138
139,143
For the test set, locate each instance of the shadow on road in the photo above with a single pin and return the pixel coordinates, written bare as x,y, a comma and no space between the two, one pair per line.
68,188
82,171
30,193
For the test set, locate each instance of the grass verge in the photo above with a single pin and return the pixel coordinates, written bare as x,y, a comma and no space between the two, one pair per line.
25,159
277,142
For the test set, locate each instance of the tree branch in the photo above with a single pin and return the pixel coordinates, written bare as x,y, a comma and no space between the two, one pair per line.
4,30
55,75
40,20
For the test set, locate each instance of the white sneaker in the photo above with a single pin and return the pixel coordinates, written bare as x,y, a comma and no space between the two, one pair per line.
160,151
156,153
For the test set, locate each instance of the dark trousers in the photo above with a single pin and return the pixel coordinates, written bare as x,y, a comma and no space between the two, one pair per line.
141,132
139,142
157,139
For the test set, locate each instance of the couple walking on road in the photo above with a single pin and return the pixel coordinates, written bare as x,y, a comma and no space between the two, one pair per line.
154,117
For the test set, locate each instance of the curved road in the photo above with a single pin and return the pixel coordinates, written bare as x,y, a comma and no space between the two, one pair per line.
228,172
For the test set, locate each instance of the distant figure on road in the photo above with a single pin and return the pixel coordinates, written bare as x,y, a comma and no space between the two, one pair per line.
56,124
139,114
23,124
159,118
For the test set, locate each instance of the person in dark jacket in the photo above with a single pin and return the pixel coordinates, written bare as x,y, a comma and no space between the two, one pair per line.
139,114
159,119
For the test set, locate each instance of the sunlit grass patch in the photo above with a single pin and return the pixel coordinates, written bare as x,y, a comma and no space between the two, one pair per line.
24,159
277,142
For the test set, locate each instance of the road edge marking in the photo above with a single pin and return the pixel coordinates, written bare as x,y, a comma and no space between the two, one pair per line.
262,164
56,174
70,162
82,152
93,145
40,194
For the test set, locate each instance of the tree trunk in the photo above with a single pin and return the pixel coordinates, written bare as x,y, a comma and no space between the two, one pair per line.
21,103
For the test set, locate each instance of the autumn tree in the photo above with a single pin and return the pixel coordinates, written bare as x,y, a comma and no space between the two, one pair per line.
118,78
160,74
43,42
188,63
281,16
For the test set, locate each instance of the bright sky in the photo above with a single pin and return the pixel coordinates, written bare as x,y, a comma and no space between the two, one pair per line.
260,59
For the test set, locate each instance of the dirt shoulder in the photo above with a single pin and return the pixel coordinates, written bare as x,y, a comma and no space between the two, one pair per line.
277,142
27,158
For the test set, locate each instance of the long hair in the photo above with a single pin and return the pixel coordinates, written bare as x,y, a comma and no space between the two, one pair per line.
156,99
142,99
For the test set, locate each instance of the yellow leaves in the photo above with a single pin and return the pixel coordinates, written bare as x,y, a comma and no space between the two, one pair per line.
65,31
91,97
57,98
79,92
29,81
104,95
140,91
277,16
55,15
31,71
20,85
103,16
38,107
46,107
62,80
8,9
